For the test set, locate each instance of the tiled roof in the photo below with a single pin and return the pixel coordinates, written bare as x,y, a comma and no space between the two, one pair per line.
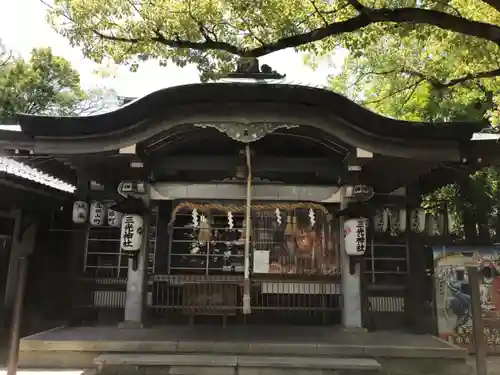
18,169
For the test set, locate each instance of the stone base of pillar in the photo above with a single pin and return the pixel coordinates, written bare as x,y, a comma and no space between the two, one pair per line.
355,329
130,325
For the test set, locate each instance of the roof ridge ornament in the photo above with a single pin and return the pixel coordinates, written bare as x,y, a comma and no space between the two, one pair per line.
246,133
248,68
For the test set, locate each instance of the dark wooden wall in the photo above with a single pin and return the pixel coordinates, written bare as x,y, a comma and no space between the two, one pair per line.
49,288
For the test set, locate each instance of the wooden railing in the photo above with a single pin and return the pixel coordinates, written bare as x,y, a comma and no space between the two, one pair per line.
274,300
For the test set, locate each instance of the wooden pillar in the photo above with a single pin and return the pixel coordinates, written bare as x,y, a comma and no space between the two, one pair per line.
11,278
480,347
163,236
417,314
415,296
23,244
15,329
79,295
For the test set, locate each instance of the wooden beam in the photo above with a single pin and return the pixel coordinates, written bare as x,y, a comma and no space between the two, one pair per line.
264,192
259,163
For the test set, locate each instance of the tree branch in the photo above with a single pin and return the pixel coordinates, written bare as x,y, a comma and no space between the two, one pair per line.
367,17
176,43
318,12
437,84
408,97
6,58
357,5
412,86
471,76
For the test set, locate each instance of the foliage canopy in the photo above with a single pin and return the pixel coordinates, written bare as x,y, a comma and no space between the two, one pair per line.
213,33
44,84
453,78
420,60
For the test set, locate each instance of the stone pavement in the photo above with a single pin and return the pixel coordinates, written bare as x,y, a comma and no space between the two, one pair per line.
493,364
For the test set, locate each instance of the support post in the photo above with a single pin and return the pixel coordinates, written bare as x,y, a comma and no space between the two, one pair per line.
16,251
15,329
247,309
136,284
23,244
477,321
351,283
77,248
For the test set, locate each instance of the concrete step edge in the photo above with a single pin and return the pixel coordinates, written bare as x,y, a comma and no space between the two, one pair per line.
237,348
202,360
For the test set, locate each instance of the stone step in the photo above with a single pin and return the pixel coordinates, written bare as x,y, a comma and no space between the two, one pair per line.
201,364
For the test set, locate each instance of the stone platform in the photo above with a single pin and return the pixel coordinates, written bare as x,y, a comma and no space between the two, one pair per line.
397,353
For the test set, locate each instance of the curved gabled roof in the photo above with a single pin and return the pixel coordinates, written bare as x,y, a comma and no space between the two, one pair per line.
247,103
157,102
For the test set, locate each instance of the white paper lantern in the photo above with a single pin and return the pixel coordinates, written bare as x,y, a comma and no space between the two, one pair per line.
80,212
398,220
355,236
97,214
381,220
115,218
417,220
451,223
132,233
435,225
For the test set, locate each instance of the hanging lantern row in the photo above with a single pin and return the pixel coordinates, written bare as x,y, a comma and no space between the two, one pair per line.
97,214
395,220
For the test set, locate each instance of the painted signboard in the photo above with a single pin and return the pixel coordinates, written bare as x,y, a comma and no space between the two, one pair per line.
453,294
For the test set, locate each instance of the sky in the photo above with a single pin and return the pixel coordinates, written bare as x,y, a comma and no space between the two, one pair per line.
23,27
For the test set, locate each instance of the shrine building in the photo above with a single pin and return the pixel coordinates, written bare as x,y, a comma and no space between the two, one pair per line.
232,204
